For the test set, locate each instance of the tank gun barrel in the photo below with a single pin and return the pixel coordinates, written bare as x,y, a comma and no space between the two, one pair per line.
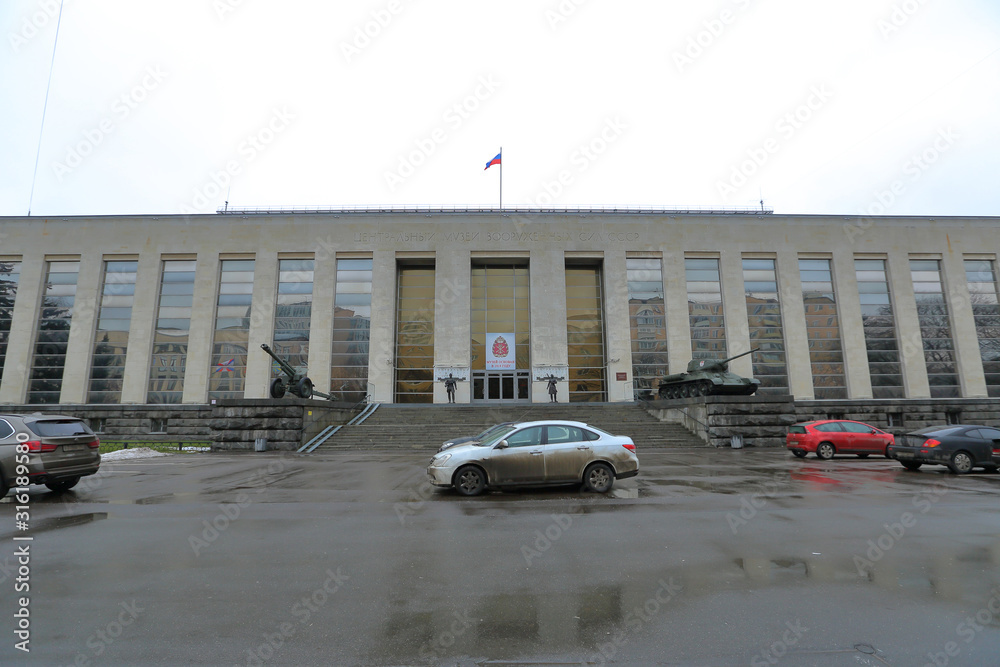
751,351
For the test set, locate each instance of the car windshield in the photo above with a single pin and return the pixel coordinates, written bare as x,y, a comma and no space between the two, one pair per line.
489,432
49,428
495,436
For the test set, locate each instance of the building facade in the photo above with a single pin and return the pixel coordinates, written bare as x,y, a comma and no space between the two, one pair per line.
173,309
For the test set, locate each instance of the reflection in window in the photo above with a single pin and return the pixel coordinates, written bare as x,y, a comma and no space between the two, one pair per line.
415,335
826,353
647,324
232,329
981,277
935,328
760,283
880,328
53,332
708,324
293,314
170,341
585,333
352,322
111,339
10,274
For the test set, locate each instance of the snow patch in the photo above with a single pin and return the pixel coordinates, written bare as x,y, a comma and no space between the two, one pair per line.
132,453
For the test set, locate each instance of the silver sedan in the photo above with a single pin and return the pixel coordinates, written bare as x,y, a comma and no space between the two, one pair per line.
537,453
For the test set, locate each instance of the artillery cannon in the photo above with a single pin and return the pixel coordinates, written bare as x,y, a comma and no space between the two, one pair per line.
708,377
297,383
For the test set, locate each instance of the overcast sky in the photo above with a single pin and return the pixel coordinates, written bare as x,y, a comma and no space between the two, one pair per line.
166,107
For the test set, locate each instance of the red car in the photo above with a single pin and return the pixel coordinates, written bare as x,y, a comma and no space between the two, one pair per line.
827,437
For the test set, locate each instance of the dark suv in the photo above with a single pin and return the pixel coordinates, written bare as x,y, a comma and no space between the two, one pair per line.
53,450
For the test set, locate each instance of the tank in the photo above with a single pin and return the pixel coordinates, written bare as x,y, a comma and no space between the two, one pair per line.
708,377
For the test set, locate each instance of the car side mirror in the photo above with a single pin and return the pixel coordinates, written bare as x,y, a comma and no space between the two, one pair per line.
501,445
874,431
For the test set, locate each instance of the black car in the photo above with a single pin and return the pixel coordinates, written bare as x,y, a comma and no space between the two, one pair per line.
960,447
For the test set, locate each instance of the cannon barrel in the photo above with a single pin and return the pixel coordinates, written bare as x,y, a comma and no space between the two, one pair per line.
285,366
726,361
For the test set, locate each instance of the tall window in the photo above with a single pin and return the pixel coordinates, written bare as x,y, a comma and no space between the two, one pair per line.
981,276
173,322
760,283
415,335
293,313
880,328
232,329
111,340
53,332
352,323
10,274
647,324
585,333
935,328
826,355
708,323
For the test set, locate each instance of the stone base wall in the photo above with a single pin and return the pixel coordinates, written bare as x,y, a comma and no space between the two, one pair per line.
287,424
763,421
134,423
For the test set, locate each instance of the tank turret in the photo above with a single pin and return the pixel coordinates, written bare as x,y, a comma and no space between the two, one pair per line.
707,377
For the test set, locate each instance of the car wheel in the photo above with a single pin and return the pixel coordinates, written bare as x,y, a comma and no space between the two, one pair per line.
799,454
825,451
598,478
862,456
62,485
911,465
470,480
961,463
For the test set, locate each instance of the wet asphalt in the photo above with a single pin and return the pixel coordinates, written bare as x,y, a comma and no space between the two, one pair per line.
708,557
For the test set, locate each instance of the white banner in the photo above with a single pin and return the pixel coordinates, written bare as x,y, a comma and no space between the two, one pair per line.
500,352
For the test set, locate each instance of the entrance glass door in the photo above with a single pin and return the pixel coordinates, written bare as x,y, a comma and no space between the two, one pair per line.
501,386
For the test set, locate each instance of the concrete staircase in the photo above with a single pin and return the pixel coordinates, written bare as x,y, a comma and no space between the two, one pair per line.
425,427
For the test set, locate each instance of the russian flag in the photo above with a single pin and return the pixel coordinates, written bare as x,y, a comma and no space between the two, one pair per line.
492,162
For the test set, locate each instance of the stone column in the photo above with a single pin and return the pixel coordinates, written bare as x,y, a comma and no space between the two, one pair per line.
676,311
618,335
548,320
453,319
199,354
852,329
968,358
911,345
17,364
321,320
382,353
142,329
265,289
797,360
734,304
80,349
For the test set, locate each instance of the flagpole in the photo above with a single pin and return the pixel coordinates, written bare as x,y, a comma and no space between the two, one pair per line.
501,178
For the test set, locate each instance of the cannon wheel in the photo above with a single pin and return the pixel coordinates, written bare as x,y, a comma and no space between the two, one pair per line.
277,388
304,388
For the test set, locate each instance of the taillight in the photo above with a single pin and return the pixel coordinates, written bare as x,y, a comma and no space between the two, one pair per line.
930,442
37,446
629,446
95,444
